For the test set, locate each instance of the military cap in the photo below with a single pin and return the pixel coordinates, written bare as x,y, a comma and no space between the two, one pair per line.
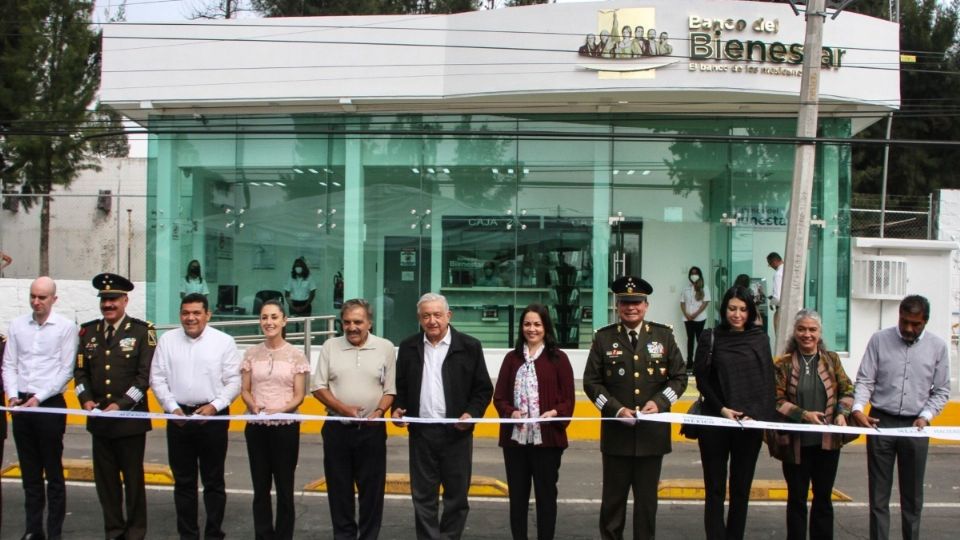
631,289
111,285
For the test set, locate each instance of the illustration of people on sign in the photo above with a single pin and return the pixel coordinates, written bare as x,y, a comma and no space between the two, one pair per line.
625,42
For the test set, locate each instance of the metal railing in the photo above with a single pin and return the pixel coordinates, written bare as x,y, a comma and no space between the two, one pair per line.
306,336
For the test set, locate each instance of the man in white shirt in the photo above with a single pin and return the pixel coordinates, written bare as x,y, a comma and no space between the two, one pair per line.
196,371
37,365
775,261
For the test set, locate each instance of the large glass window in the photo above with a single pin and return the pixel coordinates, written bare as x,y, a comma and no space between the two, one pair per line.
495,212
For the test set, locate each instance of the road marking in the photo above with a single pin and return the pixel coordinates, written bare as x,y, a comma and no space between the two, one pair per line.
501,500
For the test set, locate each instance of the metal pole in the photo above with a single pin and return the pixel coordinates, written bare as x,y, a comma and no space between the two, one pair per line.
798,228
129,241
929,216
883,183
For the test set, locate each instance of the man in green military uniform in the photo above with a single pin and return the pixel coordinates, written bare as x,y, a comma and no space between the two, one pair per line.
634,368
112,374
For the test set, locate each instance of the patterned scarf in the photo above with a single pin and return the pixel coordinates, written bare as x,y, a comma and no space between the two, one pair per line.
526,398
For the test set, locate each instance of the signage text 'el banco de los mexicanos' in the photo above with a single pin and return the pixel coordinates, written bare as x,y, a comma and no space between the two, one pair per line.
709,43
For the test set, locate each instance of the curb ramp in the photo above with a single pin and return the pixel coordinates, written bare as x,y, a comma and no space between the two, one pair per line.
81,470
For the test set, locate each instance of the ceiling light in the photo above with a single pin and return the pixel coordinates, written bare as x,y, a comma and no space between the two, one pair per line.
430,170
336,183
526,170
646,172
631,171
616,171
446,170
324,184
254,183
268,184
281,184
415,170
328,171
298,171
495,170
314,171
509,171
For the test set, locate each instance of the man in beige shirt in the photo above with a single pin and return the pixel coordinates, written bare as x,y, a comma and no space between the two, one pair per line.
355,379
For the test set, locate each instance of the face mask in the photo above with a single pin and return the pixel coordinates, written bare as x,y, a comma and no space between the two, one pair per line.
195,270
694,278
298,270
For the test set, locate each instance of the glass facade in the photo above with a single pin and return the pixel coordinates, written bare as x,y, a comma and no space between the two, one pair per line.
495,212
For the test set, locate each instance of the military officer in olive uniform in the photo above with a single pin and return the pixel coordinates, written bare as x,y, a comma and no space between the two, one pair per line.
635,367
112,374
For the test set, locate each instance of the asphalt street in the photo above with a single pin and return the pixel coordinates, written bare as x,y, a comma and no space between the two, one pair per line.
579,495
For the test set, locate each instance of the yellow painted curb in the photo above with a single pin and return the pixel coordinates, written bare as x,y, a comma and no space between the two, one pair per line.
762,490
399,484
81,470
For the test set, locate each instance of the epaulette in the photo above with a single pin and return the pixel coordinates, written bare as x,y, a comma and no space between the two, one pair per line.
134,320
659,325
611,325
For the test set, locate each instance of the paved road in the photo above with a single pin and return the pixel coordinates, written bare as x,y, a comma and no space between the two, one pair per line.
579,493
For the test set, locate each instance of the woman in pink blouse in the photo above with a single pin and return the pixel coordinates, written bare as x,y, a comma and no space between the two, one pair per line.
274,381
535,381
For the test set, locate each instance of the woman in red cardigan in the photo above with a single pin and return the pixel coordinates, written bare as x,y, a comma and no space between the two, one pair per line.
535,381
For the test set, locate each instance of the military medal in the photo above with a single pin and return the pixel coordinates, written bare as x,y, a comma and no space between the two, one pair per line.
621,372
650,370
663,371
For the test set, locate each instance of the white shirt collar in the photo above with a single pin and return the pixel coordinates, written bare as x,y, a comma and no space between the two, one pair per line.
445,340
918,337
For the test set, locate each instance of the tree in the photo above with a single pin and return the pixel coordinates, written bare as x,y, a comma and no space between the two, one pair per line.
50,62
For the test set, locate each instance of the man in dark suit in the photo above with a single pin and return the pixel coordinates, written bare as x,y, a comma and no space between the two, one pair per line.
634,368
112,374
441,373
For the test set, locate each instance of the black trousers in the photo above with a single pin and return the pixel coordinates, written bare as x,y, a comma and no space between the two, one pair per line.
818,467
440,455
910,456
694,328
118,473
718,447
542,466
190,446
39,441
273,452
355,454
620,475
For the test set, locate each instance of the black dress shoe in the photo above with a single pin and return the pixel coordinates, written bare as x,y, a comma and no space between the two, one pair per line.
33,536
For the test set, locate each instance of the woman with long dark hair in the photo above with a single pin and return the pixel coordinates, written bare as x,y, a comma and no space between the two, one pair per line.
193,281
734,371
535,381
693,303
812,388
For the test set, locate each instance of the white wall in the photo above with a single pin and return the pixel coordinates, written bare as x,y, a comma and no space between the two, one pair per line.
928,271
84,240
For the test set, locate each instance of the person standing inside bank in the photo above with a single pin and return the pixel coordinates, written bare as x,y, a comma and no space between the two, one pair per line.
113,374
273,380
775,261
355,379
535,381
904,376
634,367
693,303
441,373
37,365
299,290
193,282
196,372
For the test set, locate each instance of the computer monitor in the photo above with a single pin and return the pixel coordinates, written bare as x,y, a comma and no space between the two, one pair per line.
226,297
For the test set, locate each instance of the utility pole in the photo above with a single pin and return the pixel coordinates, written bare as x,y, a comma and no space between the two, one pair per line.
798,226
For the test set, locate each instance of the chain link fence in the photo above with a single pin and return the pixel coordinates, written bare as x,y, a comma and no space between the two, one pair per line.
905,217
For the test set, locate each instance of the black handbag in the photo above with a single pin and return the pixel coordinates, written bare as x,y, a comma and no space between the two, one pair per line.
692,431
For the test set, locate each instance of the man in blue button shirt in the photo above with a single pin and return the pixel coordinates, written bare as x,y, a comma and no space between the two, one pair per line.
904,376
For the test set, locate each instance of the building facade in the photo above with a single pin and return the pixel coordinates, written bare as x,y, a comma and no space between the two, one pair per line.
500,157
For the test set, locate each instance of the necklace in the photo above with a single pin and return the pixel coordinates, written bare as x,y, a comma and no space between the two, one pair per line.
807,361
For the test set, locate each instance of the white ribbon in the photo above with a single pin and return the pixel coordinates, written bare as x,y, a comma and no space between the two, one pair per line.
951,433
